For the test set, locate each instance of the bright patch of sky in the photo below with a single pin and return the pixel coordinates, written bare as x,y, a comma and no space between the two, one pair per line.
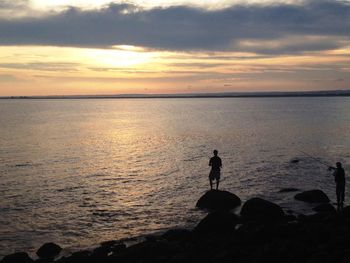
212,4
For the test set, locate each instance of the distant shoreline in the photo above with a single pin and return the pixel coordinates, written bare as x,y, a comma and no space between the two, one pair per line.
336,93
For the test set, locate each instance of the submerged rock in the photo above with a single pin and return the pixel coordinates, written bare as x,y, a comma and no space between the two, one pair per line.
217,222
261,210
288,189
219,200
48,251
19,257
312,196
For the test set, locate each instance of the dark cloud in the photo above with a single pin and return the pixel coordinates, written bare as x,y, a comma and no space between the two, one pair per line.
186,28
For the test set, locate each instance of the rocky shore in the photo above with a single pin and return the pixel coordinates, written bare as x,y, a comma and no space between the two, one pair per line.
261,232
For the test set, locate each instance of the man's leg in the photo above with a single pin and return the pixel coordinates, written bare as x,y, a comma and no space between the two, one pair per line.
211,183
342,196
217,183
338,193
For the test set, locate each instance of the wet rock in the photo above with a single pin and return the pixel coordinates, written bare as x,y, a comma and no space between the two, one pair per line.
20,257
77,257
345,212
48,251
312,196
117,248
177,234
109,243
217,222
101,252
290,218
219,200
325,208
258,209
288,189
147,251
320,217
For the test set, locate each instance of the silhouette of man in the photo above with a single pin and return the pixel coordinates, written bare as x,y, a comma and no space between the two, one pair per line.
215,163
339,178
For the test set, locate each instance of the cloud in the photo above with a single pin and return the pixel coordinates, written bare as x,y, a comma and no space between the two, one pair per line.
42,66
325,23
11,8
8,78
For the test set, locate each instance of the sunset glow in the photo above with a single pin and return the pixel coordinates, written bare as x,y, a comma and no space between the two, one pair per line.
179,57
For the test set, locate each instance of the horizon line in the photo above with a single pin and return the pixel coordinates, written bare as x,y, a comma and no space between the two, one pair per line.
318,93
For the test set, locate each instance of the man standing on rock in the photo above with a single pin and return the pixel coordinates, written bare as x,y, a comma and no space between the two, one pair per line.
215,163
339,177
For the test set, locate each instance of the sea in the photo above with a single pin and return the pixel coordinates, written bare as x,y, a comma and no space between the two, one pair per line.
78,172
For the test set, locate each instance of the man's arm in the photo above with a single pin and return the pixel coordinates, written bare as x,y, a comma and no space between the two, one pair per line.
210,162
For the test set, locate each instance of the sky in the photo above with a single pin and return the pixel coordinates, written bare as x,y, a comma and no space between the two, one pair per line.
86,47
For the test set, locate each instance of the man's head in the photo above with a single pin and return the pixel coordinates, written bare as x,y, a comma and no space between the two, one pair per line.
215,152
338,164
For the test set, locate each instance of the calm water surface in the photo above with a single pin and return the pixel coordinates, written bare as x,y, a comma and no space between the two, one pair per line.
78,172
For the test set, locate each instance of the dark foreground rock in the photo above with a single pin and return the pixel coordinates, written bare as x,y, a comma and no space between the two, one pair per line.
325,208
20,257
318,238
218,200
177,234
312,196
261,210
217,222
48,251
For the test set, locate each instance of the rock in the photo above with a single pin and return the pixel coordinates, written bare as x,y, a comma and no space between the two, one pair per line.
345,212
118,248
48,251
295,161
217,222
19,257
218,200
101,252
312,196
290,218
147,251
261,210
79,256
109,243
326,208
176,234
288,189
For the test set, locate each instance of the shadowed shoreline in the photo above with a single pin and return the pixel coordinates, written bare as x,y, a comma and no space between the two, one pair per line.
261,232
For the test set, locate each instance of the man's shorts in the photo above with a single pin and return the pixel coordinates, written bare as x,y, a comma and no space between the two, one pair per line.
214,175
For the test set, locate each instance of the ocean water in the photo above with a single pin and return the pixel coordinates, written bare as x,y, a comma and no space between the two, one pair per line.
79,172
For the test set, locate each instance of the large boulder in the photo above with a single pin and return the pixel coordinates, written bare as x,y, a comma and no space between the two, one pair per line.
48,251
258,209
219,200
217,222
312,196
21,257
